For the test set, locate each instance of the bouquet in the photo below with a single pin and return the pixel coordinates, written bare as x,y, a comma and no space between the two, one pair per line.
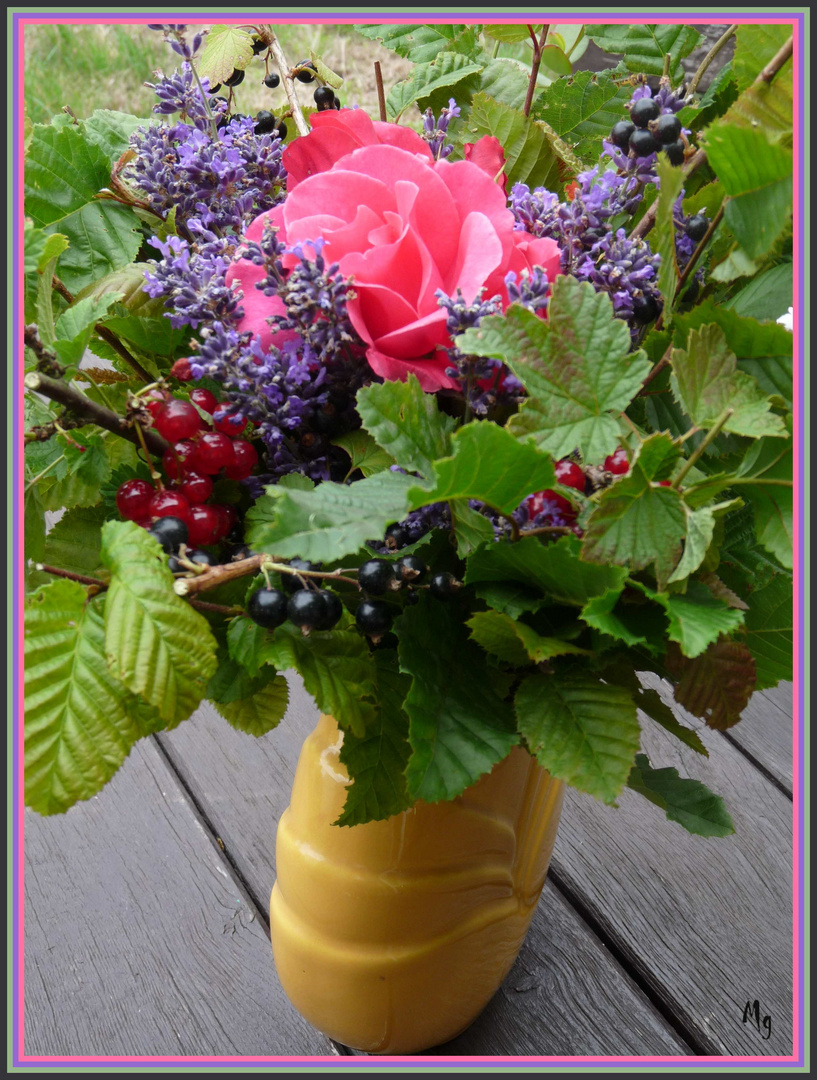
468,414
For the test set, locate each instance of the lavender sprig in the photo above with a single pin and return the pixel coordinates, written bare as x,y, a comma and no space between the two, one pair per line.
436,130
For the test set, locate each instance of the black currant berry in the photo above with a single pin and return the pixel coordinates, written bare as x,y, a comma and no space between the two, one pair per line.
443,585
236,78
396,537
373,618
410,568
643,143
306,609
307,73
668,128
264,122
336,103
332,609
214,90
696,227
291,583
272,80
620,135
644,110
170,532
645,308
267,608
324,96
280,129
203,558
258,46
237,552
675,152
375,576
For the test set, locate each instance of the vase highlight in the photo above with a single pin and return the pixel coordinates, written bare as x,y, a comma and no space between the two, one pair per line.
391,937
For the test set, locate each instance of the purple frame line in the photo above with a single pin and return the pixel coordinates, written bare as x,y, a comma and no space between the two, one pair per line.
19,18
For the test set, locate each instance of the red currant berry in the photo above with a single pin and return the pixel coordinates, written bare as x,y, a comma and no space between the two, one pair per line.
203,525
665,483
177,420
177,460
569,474
169,504
144,523
181,369
617,463
133,499
231,424
204,399
154,406
225,520
196,488
551,501
214,451
245,460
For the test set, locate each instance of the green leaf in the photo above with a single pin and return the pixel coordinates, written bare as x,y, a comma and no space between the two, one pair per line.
556,569
471,529
78,480
766,297
700,530
697,618
52,249
128,281
364,453
157,644
406,422
515,642
447,69
757,175
715,686
671,182
755,46
332,521
245,643
577,368
772,504
769,631
510,34
64,172
706,381
420,44
111,131
508,598
459,728
487,464
231,680
80,721
735,264
376,761
225,50
82,314
554,59
34,519
645,46
337,669
74,543
582,110
637,523
689,802
582,731
325,74
260,713
528,153
625,622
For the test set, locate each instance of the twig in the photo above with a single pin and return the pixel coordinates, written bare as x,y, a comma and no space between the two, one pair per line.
534,71
543,530
91,411
776,62
218,575
117,345
659,367
711,435
42,472
46,358
289,84
710,56
381,93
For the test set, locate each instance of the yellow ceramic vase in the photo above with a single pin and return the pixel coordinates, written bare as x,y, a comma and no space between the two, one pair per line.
392,937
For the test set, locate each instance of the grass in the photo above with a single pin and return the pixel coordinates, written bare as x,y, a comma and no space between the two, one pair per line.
104,66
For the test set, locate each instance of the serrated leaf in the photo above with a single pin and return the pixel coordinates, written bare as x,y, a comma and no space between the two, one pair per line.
260,713
510,33
582,731
773,504
490,465
554,59
326,74
645,45
364,453
332,521
508,598
529,155
471,529
129,282
152,336
671,182
755,45
406,422
226,49
54,246
34,518
689,802
515,642
769,631
376,761
446,70
419,44
582,110
80,722
64,172
74,543
459,728
245,643
706,382
82,314
577,369
697,618
624,622
700,529
78,480
337,670
766,297
556,569
111,130
157,644
715,686
231,681
735,264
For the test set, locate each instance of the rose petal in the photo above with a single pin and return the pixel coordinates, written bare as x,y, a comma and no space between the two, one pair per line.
431,373
487,152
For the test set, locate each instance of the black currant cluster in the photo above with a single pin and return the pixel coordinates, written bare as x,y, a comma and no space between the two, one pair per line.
379,576
648,131
308,608
173,535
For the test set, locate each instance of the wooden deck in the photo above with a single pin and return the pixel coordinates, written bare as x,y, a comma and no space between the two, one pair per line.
146,910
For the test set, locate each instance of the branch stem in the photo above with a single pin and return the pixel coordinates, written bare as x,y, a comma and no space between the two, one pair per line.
537,60
710,56
381,93
218,575
301,125
711,435
202,605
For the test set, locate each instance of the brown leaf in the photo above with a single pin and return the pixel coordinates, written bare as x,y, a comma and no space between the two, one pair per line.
715,686
103,375
722,592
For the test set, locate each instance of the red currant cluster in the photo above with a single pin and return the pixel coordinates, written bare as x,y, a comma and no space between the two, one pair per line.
196,454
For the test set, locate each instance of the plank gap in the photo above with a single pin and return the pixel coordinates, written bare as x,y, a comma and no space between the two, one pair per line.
761,768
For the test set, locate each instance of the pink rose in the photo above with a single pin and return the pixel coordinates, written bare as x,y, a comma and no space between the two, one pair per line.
402,226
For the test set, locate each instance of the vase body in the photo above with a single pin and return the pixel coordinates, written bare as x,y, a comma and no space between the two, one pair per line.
391,937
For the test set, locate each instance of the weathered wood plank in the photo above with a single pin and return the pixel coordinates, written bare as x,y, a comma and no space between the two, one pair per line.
566,994
706,922
766,731
139,939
